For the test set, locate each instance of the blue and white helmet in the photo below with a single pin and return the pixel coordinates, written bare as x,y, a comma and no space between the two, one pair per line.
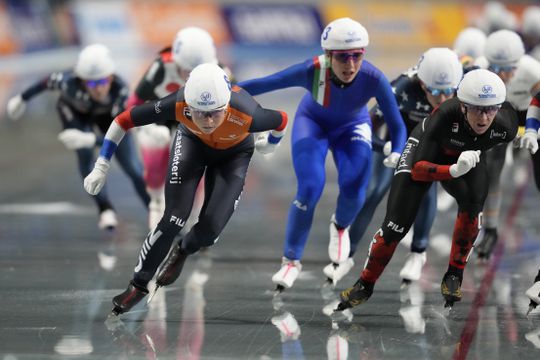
440,68
207,88
481,87
344,34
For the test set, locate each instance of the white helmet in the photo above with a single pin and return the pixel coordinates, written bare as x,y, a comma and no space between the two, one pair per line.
504,47
496,17
520,86
470,41
344,34
440,68
207,88
95,62
481,87
531,21
193,46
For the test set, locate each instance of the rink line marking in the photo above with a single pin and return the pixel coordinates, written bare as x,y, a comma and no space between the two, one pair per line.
469,330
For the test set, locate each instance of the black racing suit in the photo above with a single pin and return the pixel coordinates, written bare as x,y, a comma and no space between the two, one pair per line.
77,110
432,147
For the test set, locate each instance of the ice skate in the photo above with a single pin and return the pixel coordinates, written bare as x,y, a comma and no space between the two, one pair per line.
286,276
486,244
412,270
128,299
451,290
107,220
335,272
172,267
340,244
533,293
358,294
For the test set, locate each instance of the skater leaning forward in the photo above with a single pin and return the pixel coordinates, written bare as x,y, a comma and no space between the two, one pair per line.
448,146
213,138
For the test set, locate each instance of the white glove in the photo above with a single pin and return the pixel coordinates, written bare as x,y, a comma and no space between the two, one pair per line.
154,136
387,148
16,107
529,141
391,160
263,146
74,139
94,182
466,161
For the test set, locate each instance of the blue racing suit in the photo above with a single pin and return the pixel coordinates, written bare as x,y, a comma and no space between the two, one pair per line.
331,116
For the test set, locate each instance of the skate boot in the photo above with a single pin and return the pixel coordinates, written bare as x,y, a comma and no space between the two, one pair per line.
286,276
171,269
107,220
340,244
412,270
451,289
487,243
335,272
533,293
128,299
358,294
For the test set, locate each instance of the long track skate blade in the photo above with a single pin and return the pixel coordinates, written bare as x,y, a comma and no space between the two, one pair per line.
344,305
116,311
405,284
151,296
532,306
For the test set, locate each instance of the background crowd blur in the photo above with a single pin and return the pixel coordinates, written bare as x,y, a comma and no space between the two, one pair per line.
253,38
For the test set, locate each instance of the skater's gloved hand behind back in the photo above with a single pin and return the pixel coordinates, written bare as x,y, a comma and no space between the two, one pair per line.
529,141
74,139
391,160
466,161
16,107
94,182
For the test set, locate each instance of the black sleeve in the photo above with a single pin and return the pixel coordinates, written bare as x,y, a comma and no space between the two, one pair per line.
508,119
266,119
52,81
156,111
154,75
428,132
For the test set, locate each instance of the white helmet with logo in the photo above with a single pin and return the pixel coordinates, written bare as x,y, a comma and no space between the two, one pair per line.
193,46
440,68
94,63
207,88
470,41
504,47
481,88
344,34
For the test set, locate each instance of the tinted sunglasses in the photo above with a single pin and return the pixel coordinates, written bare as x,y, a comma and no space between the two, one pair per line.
98,82
436,92
488,110
502,68
204,114
343,56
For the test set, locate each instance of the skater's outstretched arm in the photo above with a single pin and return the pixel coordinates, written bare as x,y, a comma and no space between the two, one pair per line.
138,116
